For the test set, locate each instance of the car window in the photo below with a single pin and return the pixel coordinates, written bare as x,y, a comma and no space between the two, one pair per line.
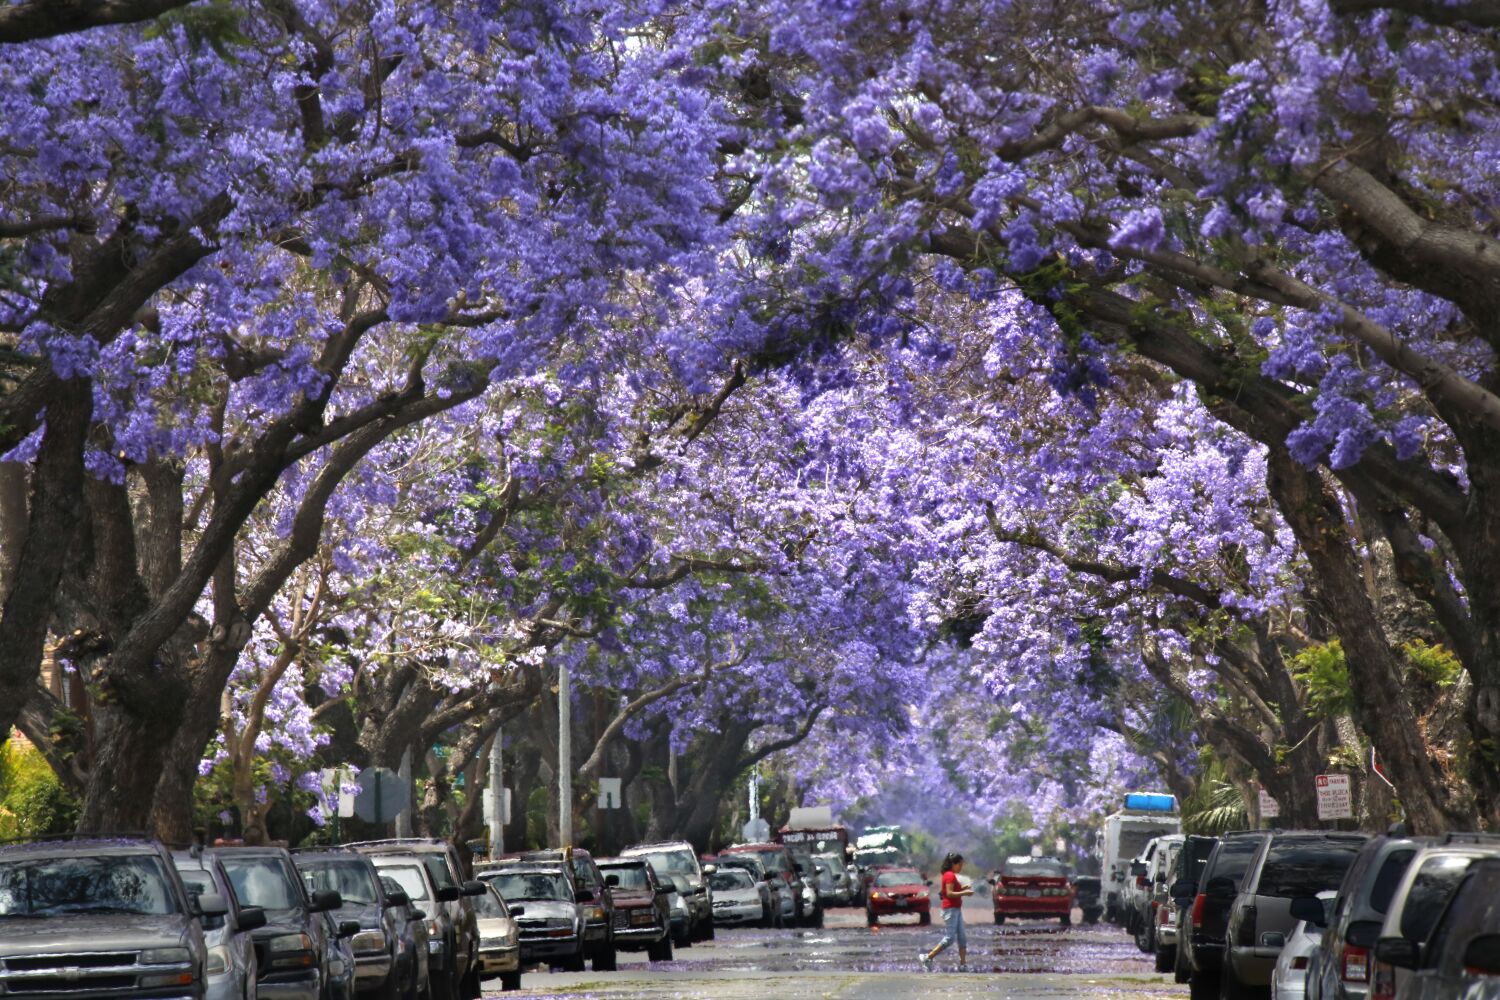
1430,889
897,878
437,868
350,879
1304,867
673,862
629,876
45,887
1234,857
1388,878
518,886
727,879
489,904
262,882
409,879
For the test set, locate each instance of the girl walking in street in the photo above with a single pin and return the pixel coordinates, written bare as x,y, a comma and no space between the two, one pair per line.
952,893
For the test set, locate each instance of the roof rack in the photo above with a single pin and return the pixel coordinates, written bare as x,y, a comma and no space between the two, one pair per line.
325,849
131,837
1470,837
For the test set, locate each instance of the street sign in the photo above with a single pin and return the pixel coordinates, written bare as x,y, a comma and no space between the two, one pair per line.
382,795
609,793
757,831
1036,850
1334,798
489,805
333,781
1269,807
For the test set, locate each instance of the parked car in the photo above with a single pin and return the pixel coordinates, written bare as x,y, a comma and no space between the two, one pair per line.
643,918
294,949
778,860
379,962
1032,888
599,904
543,899
1177,893
454,962
1200,932
843,874
1424,890
677,858
1160,854
1461,957
736,897
1289,866
1289,977
778,902
897,892
499,940
66,902
1086,897
411,922
230,965
341,965
1341,968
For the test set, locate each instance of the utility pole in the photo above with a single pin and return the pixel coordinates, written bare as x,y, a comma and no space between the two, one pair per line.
564,759
497,795
754,793
403,818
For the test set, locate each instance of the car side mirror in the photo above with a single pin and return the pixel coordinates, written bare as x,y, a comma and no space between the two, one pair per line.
252,918
348,928
212,905
473,888
1310,909
1183,889
449,894
613,881
324,900
665,890
1221,887
710,869
422,914
1482,956
1398,951
397,899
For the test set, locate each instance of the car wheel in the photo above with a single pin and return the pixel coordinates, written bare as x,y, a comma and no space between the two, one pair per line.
871,919
999,917
510,981
1202,986
1180,970
1166,959
1066,920
708,930
924,919
575,962
1230,987
661,951
1142,939
816,920
472,989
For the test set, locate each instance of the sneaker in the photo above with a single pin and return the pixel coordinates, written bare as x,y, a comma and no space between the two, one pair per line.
926,961
963,967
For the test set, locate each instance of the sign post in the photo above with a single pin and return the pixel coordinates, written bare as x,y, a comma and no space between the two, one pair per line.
1269,807
1334,798
382,795
609,793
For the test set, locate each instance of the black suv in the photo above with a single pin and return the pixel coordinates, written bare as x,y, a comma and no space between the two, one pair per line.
1200,936
106,919
293,950
381,966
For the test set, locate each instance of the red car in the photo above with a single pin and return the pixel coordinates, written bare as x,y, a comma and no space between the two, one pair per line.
1033,888
898,891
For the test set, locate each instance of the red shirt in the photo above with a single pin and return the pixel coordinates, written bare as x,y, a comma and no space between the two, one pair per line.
951,884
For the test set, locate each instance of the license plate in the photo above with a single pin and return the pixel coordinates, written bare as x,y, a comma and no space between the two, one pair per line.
900,904
1033,894
643,918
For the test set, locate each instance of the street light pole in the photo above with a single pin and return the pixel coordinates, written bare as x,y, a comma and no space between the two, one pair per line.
497,796
564,759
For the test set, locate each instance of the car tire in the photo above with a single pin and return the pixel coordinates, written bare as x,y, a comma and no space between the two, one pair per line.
1230,987
816,920
871,919
924,919
1066,920
1166,959
708,930
575,962
999,918
606,960
661,951
1203,986
510,982
471,988
1142,939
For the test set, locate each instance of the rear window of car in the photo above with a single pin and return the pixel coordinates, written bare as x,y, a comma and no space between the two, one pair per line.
1296,868
1430,889
1034,868
1233,858
1388,878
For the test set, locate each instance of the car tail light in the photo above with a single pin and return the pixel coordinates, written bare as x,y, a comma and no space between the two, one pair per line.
1140,881
1356,964
1246,936
1382,982
1164,915
1198,906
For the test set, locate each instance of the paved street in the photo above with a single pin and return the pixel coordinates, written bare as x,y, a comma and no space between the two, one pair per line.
849,960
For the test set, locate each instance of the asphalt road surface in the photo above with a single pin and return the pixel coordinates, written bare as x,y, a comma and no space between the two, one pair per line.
849,960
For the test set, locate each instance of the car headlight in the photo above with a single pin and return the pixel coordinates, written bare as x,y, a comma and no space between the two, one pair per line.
218,960
368,941
291,942
433,928
596,913
166,956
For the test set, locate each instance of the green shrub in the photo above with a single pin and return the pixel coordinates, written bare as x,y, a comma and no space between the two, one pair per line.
33,801
1434,664
1325,676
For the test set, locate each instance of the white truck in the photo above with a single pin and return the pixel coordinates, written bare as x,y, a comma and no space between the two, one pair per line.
1145,817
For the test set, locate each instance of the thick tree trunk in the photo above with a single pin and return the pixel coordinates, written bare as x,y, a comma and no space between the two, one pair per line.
1381,710
129,760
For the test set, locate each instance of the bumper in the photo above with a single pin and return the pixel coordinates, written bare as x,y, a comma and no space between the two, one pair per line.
1253,966
1027,906
304,988
1166,935
542,949
885,908
596,933
740,913
631,938
497,960
371,971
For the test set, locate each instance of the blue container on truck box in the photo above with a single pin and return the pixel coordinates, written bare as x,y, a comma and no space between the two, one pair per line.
1151,802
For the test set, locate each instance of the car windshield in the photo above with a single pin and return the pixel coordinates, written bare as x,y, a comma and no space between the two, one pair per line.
518,886
489,905
45,887
1296,868
727,879
1430,889
679,862
885,879
629,876
834,862
749,863
1234,858
1034,868
1133,840
350,879
408,879
881,856
262,882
